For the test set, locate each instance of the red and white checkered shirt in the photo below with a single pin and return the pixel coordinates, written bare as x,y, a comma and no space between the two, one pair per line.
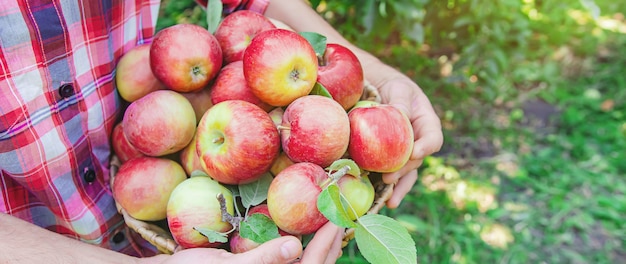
58,106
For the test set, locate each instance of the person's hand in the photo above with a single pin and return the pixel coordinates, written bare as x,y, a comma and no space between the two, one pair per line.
398,90
325,247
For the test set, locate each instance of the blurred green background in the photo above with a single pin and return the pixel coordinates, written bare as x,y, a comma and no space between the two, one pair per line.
532,96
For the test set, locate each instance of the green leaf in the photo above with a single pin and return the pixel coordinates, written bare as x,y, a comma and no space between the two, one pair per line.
319,89
329,204
234,189
340,163
258,228
213,14
315,3
370,15
255,192
306,239
415,32
385,239
212,235
317,41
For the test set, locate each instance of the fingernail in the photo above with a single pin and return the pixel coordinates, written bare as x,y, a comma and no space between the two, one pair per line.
290,249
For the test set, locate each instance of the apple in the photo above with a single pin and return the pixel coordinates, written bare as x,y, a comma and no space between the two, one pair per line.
230,84
143,185
239,244
133,75
340,72
280,66
292,198
277,115
315,129
236,30
185,57
381,137
237,142
359,194
189,159
194,204
200,101
121,147
160,123
281,162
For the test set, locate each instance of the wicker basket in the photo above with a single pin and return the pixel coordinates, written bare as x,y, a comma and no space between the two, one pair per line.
164,242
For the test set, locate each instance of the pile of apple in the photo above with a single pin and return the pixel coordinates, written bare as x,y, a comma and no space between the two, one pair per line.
232,136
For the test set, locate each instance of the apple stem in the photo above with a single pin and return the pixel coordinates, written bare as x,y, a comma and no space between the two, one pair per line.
335,176
320,60
281,127
226,216
218,140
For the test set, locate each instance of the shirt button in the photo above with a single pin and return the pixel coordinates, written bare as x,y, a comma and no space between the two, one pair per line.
66,90
119,237
89,175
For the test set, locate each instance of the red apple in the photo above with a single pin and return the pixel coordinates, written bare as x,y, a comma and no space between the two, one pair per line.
143,185
185,57
292,198
239,244
236,31
133,76
237,142
194,204
341,74
280,66
230,84
381,138
160,123
315,129
200,101
121,147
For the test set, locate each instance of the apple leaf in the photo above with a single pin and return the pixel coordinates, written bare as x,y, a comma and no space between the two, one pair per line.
258,228
340,163
213,14
385,239
319,89
234,189
306,239
317,41
212,235
329,204
255,192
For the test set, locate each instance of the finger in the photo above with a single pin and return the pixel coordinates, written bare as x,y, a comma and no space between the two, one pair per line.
394,177
335,249
280,250
404,186
320,247
429,137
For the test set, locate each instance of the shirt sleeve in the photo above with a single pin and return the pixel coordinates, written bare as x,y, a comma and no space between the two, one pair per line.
230,6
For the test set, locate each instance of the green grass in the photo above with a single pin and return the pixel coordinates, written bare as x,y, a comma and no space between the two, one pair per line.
536,176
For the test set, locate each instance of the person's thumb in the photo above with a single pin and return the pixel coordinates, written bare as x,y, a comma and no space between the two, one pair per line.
280,250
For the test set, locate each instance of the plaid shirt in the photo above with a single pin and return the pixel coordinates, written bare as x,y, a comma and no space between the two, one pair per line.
58,106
